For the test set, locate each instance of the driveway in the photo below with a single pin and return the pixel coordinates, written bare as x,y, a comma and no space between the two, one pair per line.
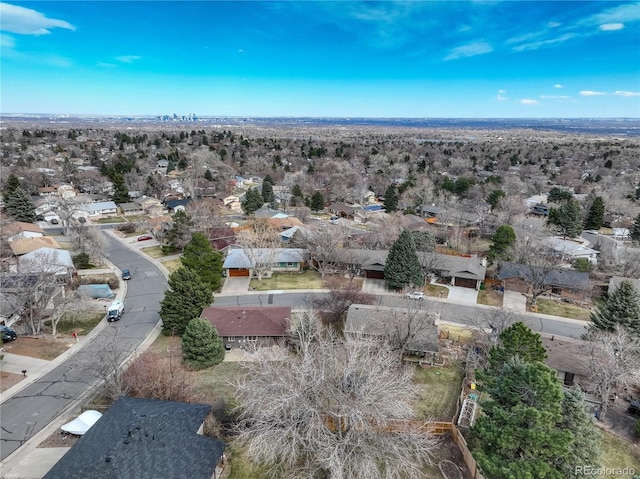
458,294
236,285
514,301
374,286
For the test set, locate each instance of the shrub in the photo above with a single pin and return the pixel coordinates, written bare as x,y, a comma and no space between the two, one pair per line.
201,344
82,261
128,227
582,264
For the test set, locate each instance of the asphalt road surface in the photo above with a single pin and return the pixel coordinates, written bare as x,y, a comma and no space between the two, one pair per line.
26,413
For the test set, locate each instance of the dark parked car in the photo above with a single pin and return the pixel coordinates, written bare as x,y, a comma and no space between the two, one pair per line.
126,274
144,237
634,407
8,334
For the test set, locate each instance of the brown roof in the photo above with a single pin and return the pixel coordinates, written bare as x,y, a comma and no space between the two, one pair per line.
285,223
27,245
249,321
20,226
568,355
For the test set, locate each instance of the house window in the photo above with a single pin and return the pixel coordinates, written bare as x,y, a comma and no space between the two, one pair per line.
555,290
252,338
290,265
231,339
282,265
568,379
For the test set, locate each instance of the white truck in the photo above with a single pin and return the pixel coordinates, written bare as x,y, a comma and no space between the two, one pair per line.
115,310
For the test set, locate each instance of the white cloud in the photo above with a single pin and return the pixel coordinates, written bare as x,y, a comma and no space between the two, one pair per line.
557,85
592,93
628,12
627,93
502,91
553,24
555,97
610,27
128,58
528,101
500,97
542,43
470,50
26,21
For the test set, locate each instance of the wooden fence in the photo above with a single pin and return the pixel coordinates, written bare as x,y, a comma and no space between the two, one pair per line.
469,460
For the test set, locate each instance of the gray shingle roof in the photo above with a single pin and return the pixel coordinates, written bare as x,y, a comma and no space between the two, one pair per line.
566,278
237,258
143,439
381,321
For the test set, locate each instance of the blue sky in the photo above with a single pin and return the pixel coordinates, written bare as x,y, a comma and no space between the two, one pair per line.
459,59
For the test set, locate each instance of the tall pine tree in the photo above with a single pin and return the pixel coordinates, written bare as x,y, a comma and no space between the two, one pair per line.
567,219
620,308
201,344
596,214
391,199
185,299
402,268
13,182
317,201
252,201
267,190
200,257
20,206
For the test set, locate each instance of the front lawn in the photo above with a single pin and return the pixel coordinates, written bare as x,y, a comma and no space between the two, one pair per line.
618,453
565,310
158,251
490,297
172,264
82,322
436,291
308,279
109,220
441,388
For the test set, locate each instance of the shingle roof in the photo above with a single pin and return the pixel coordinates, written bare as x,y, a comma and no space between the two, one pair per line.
381,321
249,321
46,260
238,258
102,205
143,439
27,245
556,277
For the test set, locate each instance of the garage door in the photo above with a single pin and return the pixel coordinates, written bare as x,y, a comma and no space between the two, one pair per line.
238,272
466,283
374,274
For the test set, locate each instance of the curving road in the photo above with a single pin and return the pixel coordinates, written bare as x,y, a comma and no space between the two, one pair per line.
33,408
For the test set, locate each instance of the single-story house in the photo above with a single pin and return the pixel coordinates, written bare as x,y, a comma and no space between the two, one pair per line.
177,205
284,223
27,245
11,308
621,233
265,211
287,235
563,282
20,229
221,237
462,271
232,201
48,191
249,325
343,210
242,262
151,206
100,208
145,439
569,358
416,328
615,281
571,250
128,209
47,260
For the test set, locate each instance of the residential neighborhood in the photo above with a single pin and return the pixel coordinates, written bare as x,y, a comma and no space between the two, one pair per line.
405,252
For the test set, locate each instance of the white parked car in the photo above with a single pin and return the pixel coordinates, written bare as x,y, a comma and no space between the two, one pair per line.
415,295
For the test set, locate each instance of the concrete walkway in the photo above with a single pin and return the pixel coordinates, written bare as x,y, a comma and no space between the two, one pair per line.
236,285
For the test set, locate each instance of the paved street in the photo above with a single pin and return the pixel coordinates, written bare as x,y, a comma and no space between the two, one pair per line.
31,409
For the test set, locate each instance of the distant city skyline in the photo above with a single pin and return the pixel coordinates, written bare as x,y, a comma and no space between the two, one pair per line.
420,59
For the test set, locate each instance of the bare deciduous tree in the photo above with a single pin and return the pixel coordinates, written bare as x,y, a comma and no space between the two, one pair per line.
614,360
333,411
342,294
259,244
109,363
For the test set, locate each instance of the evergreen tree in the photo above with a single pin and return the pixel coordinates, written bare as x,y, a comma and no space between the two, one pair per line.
252,201
185,299
201,344
567,219
317,201
578,420
297,191
502,240
207,174
181,228
425,242
516,436
402,268
20,206
267,190
517,340
494,198
620,308
120,191
596,214
558,195
391,199
13,183
200,257
634,231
